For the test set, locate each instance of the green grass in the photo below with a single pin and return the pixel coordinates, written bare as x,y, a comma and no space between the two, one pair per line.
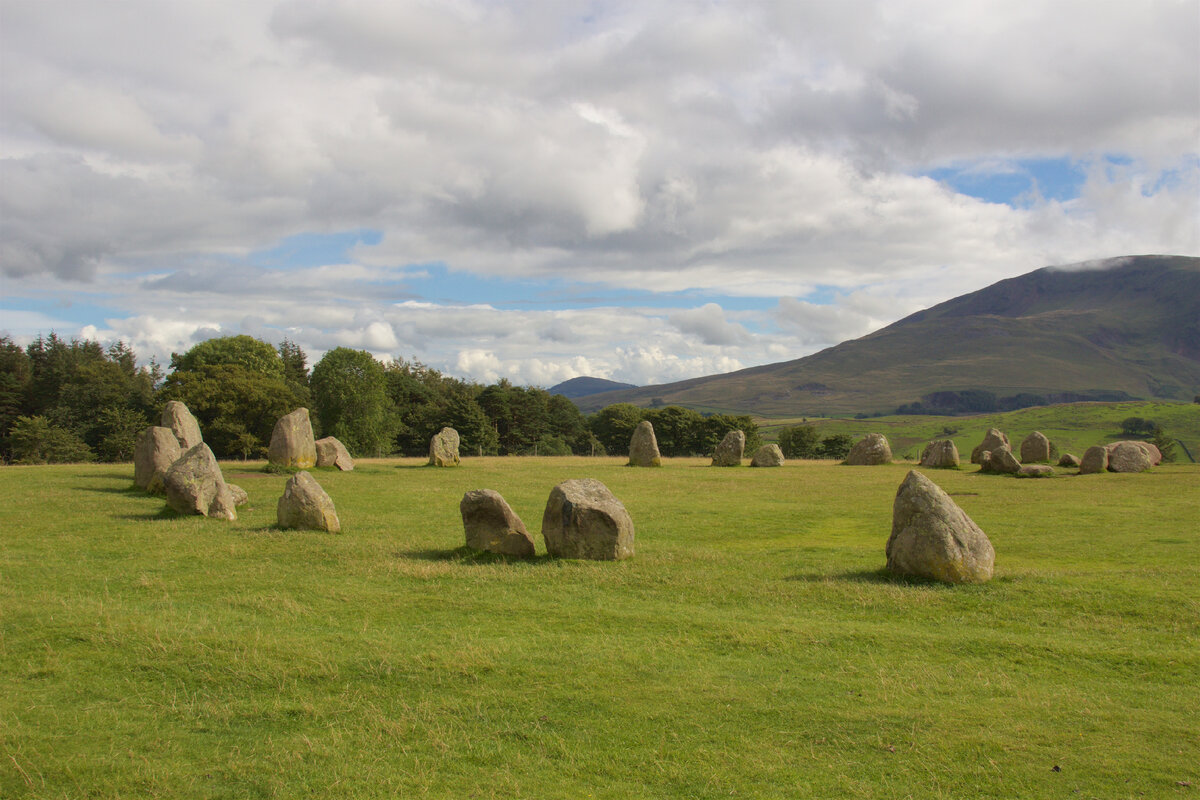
751,648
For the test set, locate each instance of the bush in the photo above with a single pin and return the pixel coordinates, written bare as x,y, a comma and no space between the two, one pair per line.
800,441
1164,443
836,446
34,440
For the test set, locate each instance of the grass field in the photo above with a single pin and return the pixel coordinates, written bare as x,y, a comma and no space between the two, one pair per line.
751,647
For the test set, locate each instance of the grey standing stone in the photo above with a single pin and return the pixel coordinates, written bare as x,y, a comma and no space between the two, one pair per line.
729,451
992,440
492,526
643,446
1095,460
1035,447
305,505
194,485
940,454
1129,457
769,455
443,449
156,450
933,538
1000,461
871,451
332,453
292,443
187,430
584,520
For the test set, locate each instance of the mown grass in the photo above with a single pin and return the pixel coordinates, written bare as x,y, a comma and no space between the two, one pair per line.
752,647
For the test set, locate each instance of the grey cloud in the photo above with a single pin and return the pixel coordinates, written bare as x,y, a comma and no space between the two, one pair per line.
709,324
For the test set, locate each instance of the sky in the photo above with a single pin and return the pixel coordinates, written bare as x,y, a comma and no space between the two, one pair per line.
640,191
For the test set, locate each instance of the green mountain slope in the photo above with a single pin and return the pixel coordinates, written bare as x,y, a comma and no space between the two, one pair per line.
1127,327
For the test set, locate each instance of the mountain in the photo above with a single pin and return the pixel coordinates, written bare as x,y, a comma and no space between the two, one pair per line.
581,387
1121,328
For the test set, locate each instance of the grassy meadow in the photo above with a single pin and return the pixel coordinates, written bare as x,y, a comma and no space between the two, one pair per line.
752,647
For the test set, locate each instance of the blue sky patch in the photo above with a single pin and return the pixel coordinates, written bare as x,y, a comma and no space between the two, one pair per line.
314,249
1016,183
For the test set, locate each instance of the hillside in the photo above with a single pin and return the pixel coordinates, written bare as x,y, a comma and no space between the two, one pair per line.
1122,329
582,387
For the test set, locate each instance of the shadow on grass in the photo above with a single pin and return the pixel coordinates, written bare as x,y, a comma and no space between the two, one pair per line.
465,555
880,576
166,512
132,488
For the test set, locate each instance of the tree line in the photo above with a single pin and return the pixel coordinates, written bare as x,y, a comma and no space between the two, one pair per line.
67,401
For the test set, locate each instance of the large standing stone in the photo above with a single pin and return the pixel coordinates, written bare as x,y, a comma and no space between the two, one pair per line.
443,449
332,453
769,455
187,430
940,454
305,505
194,485
491,525
992,440
1151,450
1035,447
1095,460
292,443
643,446
871,451
156,450
584,520
1129,457
1000,461
933,538
729,451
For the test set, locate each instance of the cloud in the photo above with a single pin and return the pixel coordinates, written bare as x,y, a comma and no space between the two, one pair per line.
709,324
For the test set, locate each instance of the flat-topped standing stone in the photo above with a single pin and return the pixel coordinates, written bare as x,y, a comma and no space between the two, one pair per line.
156,450
584,520
940,454
306,506
1035,447
194,485
933,538
871,451
1095,460
292,443
993,440
643,446
492,526
769,455
1130,457
443,449
332,453
729,451
187,430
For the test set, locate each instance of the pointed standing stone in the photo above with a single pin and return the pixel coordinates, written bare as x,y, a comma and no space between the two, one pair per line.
729,451
292,443
187,430
306,506
643,446
933,538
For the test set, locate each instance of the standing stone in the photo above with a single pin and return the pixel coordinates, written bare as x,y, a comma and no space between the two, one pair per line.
443,449
933,538
1129,457
156,450
306,506
292,442
769,455
1151,450
332,453
491,525
992,440
1000,461
194,485
1068,460
1095,460
871,451
940,454
187,430
643,446
1035,447
729,451
584,520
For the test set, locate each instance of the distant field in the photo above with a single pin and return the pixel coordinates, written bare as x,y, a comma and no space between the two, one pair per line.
1074,427
751,648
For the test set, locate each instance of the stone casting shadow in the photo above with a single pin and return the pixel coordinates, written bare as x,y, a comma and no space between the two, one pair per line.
465,555
880,576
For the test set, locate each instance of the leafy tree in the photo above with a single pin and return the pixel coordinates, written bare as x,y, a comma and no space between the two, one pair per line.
1164,443
677,430
295,370
36,440
349,389
836,446
252,354
15,375
714,428
614,426
800,441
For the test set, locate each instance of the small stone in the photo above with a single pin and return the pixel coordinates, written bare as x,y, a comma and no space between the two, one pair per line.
240,497
769,455
492,526
306,506
729,451
1036,471
332,453
1068,460
292,443
443,449
933,538
643,446
872,450
584,520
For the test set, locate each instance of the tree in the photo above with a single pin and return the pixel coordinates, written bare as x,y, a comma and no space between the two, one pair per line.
800,441
295,370
1136,426
36,440
836,446
715,427
349,389
253,354
1164,443
614,425
677,429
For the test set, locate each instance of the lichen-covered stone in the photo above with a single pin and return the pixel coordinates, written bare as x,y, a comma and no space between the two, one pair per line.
179,419
872,450
940,454
584,520
729,451
769,455
1035,448
305,505
492,526
1095,460
156,450
194,485
332,453
992,440
1000,461
292,443
443,449
1130,457
643,446
933,538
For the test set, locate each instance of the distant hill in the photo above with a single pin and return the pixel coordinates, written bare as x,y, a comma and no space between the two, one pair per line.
1119,329
581,387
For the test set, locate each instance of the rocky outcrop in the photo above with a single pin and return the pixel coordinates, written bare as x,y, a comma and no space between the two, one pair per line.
643,446
194,485
1035,448
292,443
992,440
584,520
729,451
304,505
940,454
769,455
443,449
1095,459
871,451
187,430
492,526
332,453
156,450
933,538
